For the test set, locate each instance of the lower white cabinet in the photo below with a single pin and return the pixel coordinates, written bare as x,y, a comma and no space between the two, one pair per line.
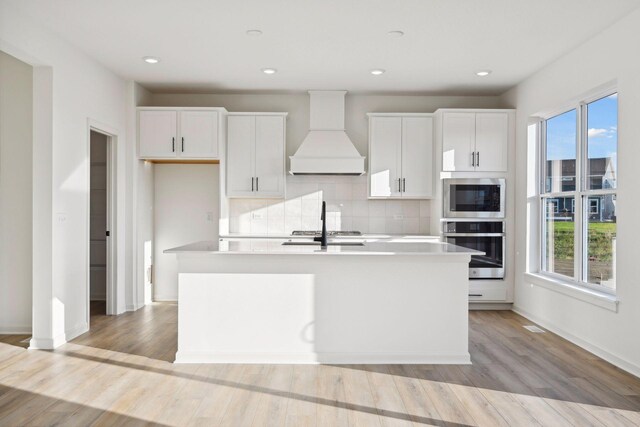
256,155
401,156
487,291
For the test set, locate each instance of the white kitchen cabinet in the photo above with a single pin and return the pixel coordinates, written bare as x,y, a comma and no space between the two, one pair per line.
179,134
198,134
400,156
475,141
157,133
256,155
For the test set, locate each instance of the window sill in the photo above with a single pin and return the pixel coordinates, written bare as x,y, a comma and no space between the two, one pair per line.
600,299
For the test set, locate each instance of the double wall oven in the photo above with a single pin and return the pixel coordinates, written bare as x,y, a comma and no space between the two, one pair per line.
474,212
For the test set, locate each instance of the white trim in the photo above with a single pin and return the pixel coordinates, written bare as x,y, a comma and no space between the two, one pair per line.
76,331
157,298
603,354
600,299
15,330
112,296
134,307
323,358
47,343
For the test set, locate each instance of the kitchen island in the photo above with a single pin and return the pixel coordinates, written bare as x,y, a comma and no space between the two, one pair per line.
385,301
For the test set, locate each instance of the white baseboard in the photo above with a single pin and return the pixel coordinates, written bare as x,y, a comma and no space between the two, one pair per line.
47,343
76,331
165,299
15,330
598,351
490,305
325,358
134,307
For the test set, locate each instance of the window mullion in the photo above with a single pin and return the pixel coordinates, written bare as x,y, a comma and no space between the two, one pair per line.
578,215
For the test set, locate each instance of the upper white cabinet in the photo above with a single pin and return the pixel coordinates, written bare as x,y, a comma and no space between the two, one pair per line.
401,156
256,155
179,134
475,141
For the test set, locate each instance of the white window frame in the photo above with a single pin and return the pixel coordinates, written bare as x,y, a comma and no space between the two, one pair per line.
581,193
597,206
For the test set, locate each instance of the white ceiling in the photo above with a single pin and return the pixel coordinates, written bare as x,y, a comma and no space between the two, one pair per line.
328,44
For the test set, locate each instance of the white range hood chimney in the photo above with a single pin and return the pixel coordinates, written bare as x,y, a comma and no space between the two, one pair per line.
327,150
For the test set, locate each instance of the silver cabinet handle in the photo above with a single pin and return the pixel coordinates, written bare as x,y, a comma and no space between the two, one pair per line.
404,185
399,186
477,158
257,184
252,178
183,144
473,158
173,144
475,295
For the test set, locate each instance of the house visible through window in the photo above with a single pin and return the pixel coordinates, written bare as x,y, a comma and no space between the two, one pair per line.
578,192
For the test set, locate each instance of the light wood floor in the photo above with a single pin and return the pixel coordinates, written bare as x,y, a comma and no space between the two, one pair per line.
120,373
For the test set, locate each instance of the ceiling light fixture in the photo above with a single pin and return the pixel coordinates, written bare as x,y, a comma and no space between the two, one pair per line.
254,33
151,59
377,71
395,33
483,73
269,70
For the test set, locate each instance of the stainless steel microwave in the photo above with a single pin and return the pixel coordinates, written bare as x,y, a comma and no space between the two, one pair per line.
474,198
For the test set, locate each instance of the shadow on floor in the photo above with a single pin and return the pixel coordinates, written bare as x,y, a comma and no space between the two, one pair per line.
26,408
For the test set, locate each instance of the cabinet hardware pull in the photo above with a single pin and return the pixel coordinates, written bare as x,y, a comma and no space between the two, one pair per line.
473,158
475,295
252,178
477,158
404,185
257,185
173,144
399,186
183,144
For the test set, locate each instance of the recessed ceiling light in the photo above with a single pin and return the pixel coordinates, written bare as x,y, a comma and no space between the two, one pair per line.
377,71
269,70
395,33
483,73
151,59
254,33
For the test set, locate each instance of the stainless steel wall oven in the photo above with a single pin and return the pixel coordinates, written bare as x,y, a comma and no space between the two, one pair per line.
483,235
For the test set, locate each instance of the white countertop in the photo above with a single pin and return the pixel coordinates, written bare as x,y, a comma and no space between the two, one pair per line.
389,246
363,236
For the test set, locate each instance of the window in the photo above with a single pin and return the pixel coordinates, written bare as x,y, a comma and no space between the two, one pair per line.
578,192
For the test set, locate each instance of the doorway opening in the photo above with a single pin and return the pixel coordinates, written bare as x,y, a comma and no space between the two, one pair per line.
101,245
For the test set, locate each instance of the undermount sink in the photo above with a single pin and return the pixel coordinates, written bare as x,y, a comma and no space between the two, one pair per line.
308,243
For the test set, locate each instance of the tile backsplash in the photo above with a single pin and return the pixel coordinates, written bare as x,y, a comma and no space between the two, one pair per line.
347,209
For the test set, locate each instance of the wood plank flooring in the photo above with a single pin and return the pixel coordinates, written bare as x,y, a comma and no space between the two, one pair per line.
120,373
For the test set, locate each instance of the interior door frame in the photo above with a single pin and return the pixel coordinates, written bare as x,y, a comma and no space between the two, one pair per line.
111,272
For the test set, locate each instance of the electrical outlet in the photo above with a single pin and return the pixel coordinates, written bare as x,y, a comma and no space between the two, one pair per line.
209,216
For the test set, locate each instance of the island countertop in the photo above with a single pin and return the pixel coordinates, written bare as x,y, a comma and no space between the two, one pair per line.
275,247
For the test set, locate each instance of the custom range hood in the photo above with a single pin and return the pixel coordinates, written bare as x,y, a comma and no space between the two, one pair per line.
327,150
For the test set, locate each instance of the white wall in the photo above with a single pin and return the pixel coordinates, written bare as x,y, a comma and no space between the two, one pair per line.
16,94
609,56
81,90
187,202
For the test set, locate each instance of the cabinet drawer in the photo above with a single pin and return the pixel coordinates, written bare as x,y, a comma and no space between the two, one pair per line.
487,291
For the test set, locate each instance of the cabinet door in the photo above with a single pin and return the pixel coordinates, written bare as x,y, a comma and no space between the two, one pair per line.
269,156
198,134
492,134
157,132
417,157
241,136
385,156
458,141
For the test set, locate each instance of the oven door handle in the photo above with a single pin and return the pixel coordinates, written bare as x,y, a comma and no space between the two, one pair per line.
474,234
